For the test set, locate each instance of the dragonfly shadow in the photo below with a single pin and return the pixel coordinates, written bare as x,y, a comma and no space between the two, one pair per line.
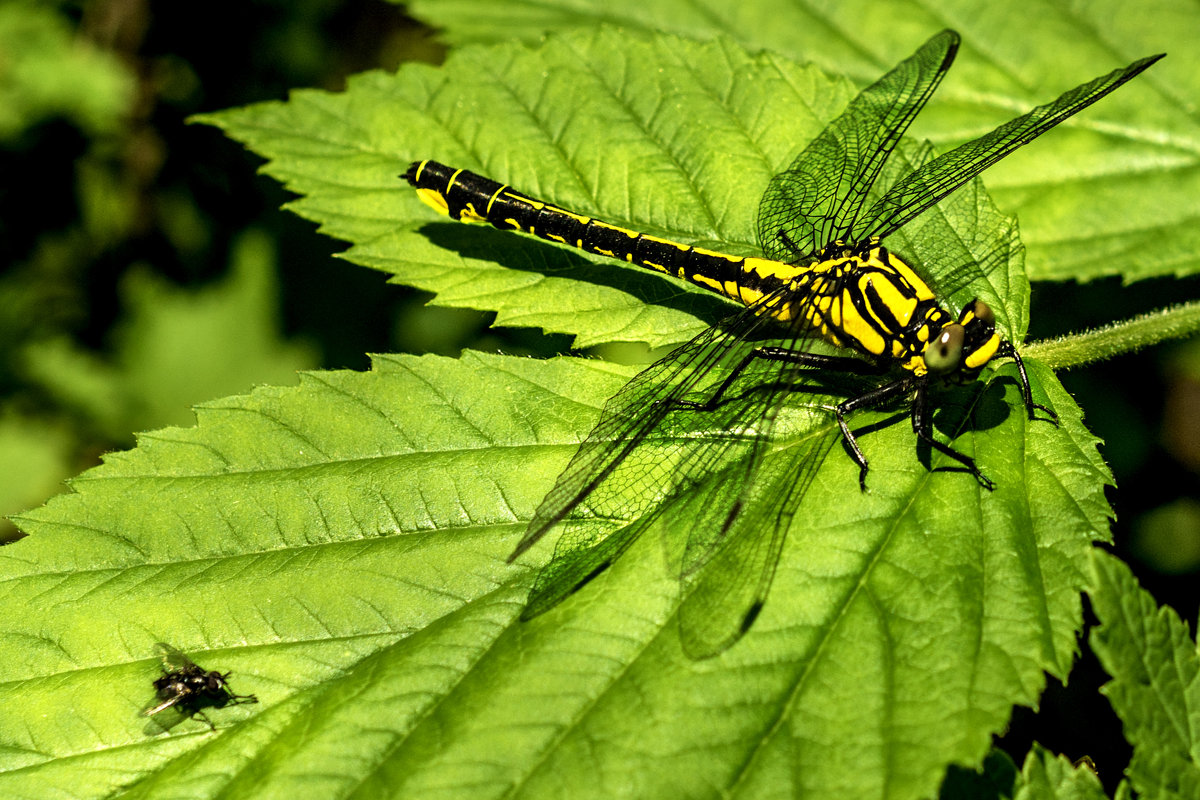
526,254
965,409
958,410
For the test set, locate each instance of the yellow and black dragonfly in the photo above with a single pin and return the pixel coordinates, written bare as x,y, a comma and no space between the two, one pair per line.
689,436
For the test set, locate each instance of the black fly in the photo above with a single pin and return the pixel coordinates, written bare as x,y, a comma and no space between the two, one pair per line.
190,689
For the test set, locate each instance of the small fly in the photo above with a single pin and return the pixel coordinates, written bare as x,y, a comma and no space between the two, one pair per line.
190,689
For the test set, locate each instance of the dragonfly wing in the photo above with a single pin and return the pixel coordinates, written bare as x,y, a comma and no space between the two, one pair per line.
583,552
649,453
818,198
963,249
941,176
725,591
637,415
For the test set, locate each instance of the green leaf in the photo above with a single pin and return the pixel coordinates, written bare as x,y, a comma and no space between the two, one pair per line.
1044,776
339,547
1155,687
49,72
1113,192
512,113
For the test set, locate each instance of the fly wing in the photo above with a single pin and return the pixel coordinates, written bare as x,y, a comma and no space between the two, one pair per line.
941,176
818,198
150,711
173,660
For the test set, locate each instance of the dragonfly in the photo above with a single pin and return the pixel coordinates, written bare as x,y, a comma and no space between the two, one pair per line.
189,688
691,436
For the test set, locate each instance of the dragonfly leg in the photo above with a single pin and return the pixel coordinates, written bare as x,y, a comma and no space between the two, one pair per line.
799,357
1026,392
824,362
872,398
921,427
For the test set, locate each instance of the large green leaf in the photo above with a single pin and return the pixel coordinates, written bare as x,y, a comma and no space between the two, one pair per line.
1113,193
633,154
339,546
314,540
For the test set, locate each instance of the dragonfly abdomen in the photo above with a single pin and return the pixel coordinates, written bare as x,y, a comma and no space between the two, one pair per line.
469,197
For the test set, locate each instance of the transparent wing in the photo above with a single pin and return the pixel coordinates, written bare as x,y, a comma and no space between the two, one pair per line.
962,249
638,415
819,197
173,660
649,455
728,586
153,709
723,482
647,449
941,176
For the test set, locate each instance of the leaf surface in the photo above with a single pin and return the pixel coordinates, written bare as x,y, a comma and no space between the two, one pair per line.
339,548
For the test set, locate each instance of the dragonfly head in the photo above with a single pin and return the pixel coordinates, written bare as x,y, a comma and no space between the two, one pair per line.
962,347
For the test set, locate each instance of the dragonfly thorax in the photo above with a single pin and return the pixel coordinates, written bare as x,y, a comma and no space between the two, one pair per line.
867,299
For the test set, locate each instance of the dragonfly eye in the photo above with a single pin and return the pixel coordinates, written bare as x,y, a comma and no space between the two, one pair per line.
944,354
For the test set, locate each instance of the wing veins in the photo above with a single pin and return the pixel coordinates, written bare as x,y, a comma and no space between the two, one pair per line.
940,176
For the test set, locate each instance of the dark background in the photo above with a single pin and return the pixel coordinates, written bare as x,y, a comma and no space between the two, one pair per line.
61,273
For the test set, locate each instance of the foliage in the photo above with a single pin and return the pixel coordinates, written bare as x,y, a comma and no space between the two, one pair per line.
339,546
1152,659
